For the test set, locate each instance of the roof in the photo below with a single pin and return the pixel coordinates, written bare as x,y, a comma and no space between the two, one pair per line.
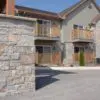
96,19
47,14
74,7
38,12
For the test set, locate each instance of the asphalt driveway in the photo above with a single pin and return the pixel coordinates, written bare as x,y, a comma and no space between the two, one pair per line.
69,85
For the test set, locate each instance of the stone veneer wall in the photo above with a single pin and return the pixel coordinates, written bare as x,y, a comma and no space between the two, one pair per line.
17,73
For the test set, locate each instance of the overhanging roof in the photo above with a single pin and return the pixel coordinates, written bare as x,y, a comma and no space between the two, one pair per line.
38,12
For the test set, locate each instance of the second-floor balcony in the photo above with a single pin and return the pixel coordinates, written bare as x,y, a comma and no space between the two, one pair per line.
47,30
82,35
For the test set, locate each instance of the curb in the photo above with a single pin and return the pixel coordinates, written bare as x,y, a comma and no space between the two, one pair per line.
75,68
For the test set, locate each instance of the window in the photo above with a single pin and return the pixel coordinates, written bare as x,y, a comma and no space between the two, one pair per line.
77,26
43,49
90,6
80,27
39,49
43,27
47,49
39,27
82,49
76,49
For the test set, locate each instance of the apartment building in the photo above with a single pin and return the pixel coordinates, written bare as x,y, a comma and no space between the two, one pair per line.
59,37
47,37
77,34
96,30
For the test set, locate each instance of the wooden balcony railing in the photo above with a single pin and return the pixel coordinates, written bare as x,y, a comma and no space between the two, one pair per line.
42,35
81,34
52,30
48,35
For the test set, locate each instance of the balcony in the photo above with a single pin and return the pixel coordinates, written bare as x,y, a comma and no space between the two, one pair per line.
46,37
46,30
82,35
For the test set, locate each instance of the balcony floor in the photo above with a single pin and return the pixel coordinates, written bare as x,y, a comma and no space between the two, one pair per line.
46,38
83,40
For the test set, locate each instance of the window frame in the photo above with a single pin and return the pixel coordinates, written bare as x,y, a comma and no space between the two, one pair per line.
44,32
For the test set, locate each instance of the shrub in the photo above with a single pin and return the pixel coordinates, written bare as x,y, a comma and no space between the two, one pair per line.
82,62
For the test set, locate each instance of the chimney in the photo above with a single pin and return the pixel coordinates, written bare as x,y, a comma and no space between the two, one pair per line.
10,7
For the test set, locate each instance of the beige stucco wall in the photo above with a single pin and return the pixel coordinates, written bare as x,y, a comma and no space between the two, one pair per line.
97,39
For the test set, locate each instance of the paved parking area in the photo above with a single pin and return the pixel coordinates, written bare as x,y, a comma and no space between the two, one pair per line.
64,85
70,85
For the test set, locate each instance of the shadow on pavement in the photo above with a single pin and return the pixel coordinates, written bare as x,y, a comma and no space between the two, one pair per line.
46,76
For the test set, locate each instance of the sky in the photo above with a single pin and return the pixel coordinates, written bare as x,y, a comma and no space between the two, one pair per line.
49,5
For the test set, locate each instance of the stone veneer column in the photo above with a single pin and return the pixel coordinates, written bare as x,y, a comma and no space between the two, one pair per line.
17,50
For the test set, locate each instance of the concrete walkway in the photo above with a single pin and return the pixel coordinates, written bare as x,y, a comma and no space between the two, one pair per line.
75,68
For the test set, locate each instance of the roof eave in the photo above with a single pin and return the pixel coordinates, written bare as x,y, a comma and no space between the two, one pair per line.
39,12
65,14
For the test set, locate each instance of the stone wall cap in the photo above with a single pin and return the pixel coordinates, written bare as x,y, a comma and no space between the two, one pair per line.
17,17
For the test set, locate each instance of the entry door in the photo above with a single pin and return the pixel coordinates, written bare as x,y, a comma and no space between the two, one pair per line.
44,54
77,52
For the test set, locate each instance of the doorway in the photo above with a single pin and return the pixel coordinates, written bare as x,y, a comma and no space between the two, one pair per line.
43,54
77,51
2,6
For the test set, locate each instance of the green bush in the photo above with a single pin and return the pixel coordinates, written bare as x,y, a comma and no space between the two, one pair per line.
82,62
